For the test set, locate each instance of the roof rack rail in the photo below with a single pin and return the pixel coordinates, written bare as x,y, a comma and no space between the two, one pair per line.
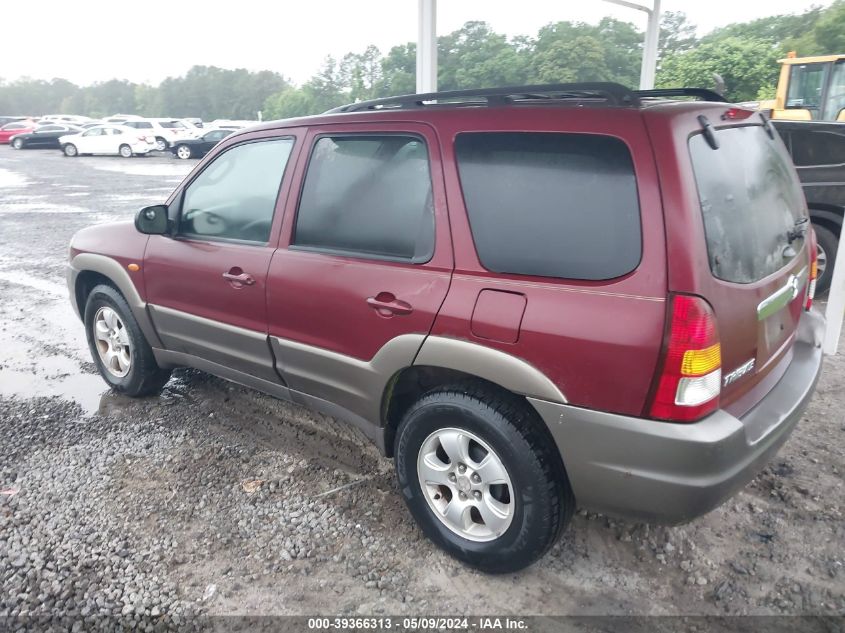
702,93
613,93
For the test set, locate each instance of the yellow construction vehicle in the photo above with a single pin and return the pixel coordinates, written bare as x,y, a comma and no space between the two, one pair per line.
810,89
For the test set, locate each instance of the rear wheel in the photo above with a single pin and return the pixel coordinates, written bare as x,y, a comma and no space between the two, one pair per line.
17,143
70,150
161,144
125,151
481,477
183,152
122,354
828,245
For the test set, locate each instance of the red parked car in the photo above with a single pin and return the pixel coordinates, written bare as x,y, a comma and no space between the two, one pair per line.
15,127
530,298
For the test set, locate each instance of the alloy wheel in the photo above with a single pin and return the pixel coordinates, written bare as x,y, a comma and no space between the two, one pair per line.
821,261
112,342
466,484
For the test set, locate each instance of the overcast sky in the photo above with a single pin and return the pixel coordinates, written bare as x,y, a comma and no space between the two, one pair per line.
148,40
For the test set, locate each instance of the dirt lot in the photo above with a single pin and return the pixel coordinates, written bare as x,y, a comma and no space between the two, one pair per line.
119,506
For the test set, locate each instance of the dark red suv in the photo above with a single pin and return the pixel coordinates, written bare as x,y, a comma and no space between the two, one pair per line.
529,297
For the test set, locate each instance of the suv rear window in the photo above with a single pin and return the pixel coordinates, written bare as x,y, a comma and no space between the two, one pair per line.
551,204
750,199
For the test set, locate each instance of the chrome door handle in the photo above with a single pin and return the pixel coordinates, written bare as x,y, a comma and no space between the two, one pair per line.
240,278
389,305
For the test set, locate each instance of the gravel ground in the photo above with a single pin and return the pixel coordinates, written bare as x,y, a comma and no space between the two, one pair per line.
213,499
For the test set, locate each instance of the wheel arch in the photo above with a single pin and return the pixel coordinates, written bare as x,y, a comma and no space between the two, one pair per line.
444,361
87,270
828,215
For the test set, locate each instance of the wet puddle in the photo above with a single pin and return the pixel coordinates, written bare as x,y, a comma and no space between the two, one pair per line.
85,389
10,179
44,346
45,207
149,169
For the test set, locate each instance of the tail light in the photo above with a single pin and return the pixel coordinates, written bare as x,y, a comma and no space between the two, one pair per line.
690,378
814,270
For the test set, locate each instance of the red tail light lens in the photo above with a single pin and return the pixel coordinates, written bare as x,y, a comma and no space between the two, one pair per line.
814,269
689,383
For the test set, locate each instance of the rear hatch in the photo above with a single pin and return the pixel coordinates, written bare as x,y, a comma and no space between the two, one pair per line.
748,254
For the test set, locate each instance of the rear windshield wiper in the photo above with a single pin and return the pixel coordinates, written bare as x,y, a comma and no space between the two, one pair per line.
798,230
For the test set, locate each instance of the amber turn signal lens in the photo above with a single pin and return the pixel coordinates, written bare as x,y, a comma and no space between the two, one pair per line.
134,267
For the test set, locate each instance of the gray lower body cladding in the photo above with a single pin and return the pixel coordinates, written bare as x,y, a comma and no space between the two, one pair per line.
671,473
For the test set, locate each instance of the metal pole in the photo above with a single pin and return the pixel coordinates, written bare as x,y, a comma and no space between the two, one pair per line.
652,38
835,302
427,46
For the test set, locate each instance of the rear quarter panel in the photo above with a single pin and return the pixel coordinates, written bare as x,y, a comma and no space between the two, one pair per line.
598,341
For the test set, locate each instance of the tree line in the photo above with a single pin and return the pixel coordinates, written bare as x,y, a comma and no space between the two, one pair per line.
744,55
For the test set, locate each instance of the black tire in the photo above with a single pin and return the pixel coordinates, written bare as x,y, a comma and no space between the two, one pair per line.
161,144
70,150
544,502
183,152
125,151
145,377
830,244
17,143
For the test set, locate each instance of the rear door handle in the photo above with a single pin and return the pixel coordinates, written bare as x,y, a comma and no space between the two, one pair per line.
239,278
386,304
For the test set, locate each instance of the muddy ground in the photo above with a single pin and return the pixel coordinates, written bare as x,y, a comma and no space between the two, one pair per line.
120,506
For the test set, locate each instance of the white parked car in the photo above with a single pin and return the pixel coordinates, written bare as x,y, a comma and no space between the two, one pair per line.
72,119
166,132
227,124
108,139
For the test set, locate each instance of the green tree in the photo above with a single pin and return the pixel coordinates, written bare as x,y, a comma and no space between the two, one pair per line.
568,60
574,51
677,34
476,57
398,71
361,74
827,35
745,65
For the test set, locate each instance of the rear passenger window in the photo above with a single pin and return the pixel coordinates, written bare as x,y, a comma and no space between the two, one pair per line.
368,195
550,204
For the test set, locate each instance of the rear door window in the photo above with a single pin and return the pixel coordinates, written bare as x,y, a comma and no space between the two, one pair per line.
750,201
369,196
551,204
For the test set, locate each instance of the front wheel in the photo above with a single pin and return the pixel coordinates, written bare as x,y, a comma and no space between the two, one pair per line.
125,151
122,354
482,478
70,150
17,143
183,152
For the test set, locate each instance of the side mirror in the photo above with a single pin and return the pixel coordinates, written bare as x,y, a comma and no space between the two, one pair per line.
152,220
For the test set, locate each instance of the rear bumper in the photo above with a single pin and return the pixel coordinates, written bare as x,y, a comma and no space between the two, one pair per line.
671,473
